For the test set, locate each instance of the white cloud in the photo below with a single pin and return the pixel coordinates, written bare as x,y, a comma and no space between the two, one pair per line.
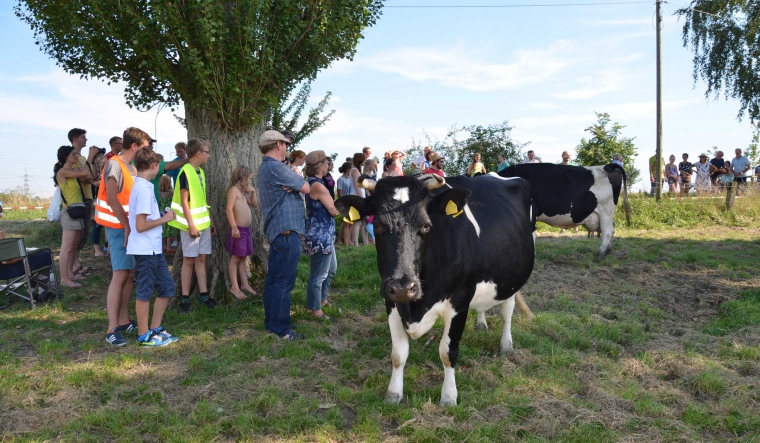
594,85
58,102
462,67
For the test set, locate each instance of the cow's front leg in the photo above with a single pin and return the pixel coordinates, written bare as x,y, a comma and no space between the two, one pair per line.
400,340
453,326
507,309
481,325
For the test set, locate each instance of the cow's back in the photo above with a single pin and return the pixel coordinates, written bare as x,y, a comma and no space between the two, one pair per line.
557,189
491,241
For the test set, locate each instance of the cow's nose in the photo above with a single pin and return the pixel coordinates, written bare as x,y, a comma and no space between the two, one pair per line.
401,290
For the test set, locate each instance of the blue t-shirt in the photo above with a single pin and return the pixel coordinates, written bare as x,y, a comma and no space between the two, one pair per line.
739,164
282,210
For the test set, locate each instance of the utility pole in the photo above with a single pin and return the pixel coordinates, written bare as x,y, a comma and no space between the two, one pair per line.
26,183
658,155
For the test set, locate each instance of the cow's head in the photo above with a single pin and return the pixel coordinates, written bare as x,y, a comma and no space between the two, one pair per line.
404,211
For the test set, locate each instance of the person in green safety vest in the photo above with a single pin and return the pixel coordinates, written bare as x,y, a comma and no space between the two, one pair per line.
194,222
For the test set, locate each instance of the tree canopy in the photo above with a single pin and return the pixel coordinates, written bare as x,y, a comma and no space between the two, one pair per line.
604,143
234,59
725,38
459,151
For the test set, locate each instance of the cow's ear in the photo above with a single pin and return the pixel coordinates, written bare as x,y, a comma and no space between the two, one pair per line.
353,207
450,202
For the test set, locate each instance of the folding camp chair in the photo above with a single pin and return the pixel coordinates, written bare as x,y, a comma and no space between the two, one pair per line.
32,278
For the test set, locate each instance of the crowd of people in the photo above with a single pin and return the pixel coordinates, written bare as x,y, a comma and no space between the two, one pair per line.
705,176
148,207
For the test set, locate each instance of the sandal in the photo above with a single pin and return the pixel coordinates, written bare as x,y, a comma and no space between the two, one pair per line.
71,285
325,318
83,271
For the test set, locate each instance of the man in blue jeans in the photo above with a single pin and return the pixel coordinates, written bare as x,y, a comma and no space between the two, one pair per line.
283,209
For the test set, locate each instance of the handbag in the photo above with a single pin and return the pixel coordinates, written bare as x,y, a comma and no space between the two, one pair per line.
76,211
54,211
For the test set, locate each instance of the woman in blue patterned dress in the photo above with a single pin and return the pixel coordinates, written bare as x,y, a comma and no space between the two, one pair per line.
319,241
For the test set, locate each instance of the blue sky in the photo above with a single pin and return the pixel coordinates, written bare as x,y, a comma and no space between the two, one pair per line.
544,69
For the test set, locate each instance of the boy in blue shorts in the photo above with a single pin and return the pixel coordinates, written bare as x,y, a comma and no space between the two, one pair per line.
144,244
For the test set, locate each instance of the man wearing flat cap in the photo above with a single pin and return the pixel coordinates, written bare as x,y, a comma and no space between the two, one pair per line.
283,209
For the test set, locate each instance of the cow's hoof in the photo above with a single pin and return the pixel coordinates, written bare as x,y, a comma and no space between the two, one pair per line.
392,398
481,326
506,347
446,402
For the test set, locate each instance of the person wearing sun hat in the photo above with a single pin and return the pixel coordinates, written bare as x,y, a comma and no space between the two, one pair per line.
319,239
436,165
703,169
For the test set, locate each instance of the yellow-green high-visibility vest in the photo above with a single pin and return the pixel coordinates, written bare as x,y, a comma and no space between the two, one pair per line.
199,210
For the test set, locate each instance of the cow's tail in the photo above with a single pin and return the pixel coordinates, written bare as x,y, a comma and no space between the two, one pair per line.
522,306
626,203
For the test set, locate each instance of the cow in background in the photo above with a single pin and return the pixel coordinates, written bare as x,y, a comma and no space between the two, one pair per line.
564,196
443,248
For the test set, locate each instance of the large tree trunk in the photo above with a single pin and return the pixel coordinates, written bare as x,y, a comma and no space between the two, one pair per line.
228,150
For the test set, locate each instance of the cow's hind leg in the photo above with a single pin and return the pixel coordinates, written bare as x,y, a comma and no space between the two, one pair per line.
453,327
400,352
507,309
607,226
481,325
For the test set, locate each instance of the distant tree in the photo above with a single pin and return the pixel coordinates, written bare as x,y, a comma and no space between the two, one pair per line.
604,143
287,115
229,63
753,151
724,38
459,146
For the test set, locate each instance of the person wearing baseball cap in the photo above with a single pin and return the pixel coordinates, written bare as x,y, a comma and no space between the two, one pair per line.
436,165
319,240
282,207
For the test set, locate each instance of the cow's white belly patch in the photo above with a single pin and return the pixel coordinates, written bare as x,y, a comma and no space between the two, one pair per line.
485,296
559,221
420,328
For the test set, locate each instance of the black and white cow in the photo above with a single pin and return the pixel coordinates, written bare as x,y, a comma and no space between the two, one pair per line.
443,248
564,196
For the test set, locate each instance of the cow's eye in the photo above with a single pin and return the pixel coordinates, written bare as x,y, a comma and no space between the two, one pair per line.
425,228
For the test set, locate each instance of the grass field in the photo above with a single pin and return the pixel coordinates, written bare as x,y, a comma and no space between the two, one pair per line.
659,342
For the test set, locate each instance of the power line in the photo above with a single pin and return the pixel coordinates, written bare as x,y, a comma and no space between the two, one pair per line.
545,5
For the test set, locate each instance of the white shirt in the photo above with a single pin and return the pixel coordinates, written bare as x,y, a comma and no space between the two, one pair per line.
419,162
142,200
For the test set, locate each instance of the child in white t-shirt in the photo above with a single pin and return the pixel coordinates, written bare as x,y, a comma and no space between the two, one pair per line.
144,244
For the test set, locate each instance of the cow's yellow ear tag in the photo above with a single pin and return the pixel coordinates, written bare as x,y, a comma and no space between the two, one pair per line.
452,209
353,215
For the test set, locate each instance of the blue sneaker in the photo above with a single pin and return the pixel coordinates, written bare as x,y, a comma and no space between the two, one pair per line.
115,338
151,338
128,327
165,336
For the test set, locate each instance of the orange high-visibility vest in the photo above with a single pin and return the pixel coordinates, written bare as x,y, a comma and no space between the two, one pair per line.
103,213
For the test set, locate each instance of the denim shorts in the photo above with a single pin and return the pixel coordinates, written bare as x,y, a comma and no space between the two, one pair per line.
152,273
120,261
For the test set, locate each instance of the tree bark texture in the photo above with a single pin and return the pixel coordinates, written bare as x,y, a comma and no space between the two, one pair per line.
228,149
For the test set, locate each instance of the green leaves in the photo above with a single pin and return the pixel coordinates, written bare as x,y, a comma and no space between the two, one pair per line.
724,37
458,152
604,143
234,59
